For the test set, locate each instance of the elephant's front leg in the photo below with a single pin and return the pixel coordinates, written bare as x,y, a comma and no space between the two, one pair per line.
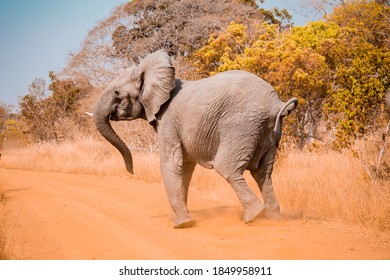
188,170
176,185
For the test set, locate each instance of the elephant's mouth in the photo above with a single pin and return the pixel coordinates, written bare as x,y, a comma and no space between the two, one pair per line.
115,117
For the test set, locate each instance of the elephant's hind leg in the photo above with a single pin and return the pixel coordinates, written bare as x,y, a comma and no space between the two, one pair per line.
252,205
262,175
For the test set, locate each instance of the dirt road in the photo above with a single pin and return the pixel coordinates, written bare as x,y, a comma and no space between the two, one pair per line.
67,216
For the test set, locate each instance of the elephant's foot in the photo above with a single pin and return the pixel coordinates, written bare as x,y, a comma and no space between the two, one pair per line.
273,211
184,222
253,212
273,214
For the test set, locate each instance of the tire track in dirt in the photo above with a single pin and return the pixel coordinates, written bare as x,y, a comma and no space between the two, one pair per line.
69,216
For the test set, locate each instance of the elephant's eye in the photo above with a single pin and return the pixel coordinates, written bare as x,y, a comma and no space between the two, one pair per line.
117,92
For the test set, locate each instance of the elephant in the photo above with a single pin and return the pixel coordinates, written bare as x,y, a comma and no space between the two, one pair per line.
229,122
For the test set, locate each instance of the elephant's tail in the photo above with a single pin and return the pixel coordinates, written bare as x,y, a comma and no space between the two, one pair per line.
284,111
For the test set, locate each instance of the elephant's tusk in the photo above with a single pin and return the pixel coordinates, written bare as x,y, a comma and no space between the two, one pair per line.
89,114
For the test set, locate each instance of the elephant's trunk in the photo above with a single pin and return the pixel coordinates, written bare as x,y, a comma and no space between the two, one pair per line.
101,117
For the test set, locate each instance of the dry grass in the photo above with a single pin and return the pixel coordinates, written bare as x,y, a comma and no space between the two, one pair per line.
84,155
327,185
331,186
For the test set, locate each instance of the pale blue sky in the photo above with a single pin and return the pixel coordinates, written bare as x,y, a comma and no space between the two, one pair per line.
36,37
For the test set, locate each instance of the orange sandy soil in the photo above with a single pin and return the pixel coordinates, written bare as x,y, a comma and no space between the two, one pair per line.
69,216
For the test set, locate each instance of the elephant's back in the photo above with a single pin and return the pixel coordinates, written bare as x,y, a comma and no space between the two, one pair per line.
236,81
234,85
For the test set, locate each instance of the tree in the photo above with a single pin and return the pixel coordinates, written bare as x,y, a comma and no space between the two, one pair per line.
180,27
48,115
362,65
280,17
33,110
371,18
10,126
96,62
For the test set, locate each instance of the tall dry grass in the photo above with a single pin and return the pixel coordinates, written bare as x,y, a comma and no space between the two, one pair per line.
83,155
331,186
322,185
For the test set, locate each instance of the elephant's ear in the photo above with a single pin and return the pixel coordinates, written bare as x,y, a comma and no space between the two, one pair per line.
157,78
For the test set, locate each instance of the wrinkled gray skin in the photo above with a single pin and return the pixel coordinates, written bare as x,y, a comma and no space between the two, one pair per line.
230,122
